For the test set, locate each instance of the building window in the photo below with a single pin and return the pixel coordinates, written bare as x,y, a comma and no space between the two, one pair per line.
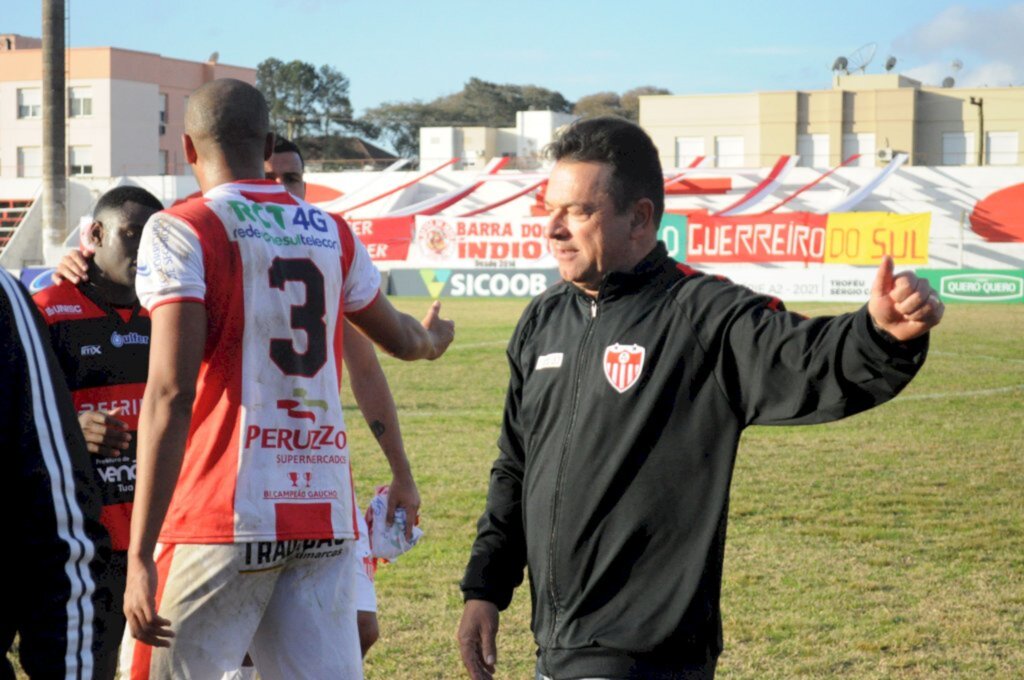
79,101
30,102
958,148
688,149
163,113
164,170
729,152
80,160
862,143
1001,148
30,161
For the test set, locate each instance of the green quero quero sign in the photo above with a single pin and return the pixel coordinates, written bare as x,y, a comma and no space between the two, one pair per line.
967,285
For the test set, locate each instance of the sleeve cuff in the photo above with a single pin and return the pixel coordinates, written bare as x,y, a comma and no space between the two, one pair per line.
890,345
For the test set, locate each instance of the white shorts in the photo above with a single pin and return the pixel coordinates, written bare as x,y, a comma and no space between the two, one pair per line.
288,603
365,567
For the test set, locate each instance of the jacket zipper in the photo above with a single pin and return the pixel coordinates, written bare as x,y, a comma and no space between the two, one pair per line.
552,590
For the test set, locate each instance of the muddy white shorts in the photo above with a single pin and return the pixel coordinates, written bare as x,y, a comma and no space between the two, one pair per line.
288,603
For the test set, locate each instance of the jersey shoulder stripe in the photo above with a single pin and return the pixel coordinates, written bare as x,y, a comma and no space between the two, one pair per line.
65,302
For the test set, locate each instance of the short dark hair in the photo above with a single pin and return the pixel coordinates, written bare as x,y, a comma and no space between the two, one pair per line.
636,168
285,145
232,115
118,196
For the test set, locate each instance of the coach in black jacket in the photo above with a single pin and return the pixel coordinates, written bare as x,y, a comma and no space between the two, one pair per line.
631,382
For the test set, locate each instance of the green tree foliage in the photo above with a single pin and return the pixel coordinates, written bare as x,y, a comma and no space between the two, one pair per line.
305,100
610,104
479,103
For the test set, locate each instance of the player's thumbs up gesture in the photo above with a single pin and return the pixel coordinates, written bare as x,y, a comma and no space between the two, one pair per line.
441,331
903,305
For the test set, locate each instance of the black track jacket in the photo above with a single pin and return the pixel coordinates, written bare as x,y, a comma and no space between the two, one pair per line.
620,430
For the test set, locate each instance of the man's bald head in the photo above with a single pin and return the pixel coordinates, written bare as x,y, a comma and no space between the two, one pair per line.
231,116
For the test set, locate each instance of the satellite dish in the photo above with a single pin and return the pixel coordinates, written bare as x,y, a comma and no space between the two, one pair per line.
956,65
948,81
890,63
861,57
840,64
213,58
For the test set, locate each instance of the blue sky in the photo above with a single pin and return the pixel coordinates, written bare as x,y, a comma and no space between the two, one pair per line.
398,50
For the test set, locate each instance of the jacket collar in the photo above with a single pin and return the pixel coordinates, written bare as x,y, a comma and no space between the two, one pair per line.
655,266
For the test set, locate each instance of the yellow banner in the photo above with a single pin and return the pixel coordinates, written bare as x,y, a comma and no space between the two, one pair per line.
864,237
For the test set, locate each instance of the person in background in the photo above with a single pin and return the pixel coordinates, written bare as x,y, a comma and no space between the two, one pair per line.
100,335
372,393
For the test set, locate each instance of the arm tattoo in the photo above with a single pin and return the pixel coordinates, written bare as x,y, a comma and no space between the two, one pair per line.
378,429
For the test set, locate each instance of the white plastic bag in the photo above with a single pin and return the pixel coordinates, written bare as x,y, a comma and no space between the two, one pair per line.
388,542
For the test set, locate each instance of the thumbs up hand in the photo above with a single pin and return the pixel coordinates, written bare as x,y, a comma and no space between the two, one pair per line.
903,305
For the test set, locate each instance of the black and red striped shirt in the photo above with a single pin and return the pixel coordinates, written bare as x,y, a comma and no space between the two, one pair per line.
103,352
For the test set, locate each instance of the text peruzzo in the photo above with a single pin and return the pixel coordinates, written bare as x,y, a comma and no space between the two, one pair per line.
279,225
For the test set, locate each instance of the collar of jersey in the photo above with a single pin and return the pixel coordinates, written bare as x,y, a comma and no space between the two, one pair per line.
262,185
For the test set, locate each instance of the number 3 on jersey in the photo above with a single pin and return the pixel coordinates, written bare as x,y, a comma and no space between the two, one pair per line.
308,317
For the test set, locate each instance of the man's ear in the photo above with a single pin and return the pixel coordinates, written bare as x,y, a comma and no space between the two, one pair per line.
95,234
190,149
268,146
642,217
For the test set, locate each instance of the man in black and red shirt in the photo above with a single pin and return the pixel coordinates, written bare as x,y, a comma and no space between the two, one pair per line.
100,335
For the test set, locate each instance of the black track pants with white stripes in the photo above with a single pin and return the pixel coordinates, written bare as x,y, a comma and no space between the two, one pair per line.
54,545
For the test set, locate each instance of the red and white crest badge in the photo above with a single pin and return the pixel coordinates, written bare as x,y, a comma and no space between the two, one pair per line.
623,365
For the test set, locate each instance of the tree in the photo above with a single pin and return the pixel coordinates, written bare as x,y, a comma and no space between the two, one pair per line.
610,104
630,100
599,104
304,100
478,103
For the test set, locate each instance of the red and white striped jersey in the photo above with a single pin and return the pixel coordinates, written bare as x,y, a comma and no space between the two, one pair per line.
267,454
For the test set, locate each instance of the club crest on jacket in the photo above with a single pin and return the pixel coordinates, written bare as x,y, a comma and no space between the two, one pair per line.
623,365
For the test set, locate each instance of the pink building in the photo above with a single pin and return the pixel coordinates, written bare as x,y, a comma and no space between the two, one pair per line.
125,109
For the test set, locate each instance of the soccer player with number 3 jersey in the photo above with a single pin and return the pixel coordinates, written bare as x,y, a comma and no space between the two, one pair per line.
244,517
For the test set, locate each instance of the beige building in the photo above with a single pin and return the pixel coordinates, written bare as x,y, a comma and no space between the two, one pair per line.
875,115
125,109
476,146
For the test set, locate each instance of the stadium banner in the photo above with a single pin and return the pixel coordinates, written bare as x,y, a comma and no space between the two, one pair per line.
672,232
471,282
841,284
788,237
386,238
976,285
484,243
864,237
839,238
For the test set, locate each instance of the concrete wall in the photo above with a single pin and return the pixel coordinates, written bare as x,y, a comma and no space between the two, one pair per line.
666,117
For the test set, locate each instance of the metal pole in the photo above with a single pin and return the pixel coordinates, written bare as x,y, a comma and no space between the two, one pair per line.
55,221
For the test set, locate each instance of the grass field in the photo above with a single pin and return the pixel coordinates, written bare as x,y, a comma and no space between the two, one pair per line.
888,545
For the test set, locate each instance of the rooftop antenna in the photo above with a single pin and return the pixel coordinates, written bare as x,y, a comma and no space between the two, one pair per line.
890,63
840,64
861,57
955,66
213,58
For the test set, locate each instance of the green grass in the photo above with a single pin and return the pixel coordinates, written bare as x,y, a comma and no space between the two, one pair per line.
888,545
